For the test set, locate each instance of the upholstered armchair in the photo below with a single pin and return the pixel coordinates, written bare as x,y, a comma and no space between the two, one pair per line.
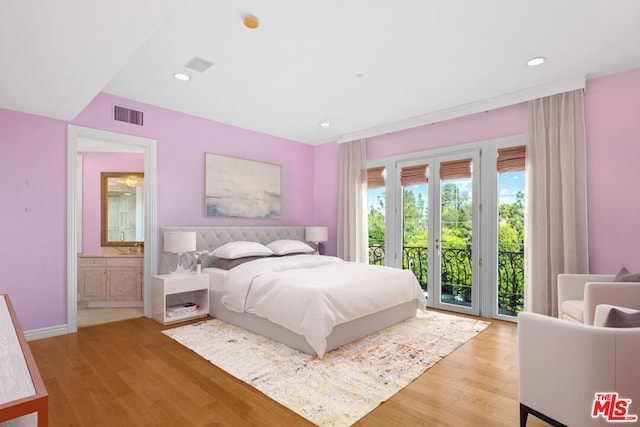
563,365
579,294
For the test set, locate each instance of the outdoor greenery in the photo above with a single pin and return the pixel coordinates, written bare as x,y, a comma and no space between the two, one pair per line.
456,241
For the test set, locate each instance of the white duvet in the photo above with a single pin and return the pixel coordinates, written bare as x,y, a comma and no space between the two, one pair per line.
310,294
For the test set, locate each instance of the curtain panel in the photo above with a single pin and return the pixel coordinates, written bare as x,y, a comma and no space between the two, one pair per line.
556,201
352,202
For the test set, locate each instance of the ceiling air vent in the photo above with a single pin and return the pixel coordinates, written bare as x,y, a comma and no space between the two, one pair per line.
199,64
127,115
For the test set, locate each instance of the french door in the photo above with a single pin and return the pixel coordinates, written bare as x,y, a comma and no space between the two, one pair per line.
437,211
456,233
456,220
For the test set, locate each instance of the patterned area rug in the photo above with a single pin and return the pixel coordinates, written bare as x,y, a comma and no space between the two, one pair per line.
349,381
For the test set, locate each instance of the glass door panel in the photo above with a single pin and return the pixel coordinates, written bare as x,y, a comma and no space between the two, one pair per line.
510,166
455,231
415,221
376,201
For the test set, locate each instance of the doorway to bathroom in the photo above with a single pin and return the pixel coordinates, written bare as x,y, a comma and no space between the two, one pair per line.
109,282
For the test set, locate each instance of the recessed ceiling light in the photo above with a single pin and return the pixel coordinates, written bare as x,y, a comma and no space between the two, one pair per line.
325,124
536,61
181,76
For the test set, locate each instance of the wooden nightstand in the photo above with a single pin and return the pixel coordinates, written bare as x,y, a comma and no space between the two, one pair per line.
170,290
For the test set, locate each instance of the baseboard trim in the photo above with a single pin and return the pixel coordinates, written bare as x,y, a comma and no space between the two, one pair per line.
52,331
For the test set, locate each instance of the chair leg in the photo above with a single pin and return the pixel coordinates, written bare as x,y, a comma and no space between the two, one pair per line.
524,414
525,411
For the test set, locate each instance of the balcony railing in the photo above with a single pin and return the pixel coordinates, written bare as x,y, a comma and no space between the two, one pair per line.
456,274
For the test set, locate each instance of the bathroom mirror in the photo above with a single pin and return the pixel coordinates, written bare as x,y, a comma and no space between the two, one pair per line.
122,208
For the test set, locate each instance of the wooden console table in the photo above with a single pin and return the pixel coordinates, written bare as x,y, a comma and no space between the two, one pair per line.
23,397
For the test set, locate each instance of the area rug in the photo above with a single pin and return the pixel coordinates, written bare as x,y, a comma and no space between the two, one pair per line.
348,382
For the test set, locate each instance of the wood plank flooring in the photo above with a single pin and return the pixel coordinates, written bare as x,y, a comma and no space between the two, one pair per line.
129,374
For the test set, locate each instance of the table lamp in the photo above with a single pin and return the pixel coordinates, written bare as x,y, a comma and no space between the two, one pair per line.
316,235
179,242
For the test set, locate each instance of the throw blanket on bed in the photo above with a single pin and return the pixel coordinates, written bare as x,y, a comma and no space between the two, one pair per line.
310,294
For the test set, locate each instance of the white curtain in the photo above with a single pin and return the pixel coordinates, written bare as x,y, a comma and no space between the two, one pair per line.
352,202
556,213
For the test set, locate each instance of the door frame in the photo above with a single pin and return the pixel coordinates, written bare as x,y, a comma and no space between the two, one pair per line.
88,139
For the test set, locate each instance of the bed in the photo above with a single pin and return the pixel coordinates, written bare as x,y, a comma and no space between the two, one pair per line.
353,314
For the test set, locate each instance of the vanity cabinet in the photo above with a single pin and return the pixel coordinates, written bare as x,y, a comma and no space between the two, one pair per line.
108,280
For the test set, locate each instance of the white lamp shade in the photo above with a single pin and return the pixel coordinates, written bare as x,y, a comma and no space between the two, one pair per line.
316,234
179,242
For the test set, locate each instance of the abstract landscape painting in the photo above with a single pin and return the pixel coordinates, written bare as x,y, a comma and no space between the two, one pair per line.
241,188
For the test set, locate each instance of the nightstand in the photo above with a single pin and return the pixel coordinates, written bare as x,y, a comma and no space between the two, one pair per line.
171,291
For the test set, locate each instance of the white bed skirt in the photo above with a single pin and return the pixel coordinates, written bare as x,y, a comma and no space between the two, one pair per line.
341,334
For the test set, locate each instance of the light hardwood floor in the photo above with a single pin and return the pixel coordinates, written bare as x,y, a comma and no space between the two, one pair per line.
129,374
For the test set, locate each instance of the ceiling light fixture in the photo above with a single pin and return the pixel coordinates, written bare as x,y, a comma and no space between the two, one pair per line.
325,124
251,22
533,62
131,182
181,76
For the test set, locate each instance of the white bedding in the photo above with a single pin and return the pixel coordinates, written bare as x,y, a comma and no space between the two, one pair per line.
310,294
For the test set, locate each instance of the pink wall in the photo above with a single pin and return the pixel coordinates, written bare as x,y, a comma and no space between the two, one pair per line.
476,127
33,217
326,193
33,166
612,114
182,141
93,165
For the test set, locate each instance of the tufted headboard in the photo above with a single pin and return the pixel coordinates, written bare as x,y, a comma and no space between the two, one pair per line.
209,238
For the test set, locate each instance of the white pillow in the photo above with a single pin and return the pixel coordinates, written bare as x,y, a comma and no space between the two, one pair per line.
287,247
241,249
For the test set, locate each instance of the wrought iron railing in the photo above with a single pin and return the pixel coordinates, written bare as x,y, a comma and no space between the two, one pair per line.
456,274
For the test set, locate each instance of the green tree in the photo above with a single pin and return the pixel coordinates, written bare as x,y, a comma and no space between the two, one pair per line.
415,216
456,215
511,225
376,222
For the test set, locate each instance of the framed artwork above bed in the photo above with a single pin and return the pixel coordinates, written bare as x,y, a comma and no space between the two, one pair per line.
241,188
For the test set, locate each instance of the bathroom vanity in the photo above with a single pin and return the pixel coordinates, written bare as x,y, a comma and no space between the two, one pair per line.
111,280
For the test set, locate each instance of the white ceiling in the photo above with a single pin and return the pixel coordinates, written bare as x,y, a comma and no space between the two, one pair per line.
416,58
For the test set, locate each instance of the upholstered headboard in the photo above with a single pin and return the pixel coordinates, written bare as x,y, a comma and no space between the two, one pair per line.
209,238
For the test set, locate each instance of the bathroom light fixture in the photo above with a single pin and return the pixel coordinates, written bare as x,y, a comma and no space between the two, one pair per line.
131,182
325,124
181,76
533,62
